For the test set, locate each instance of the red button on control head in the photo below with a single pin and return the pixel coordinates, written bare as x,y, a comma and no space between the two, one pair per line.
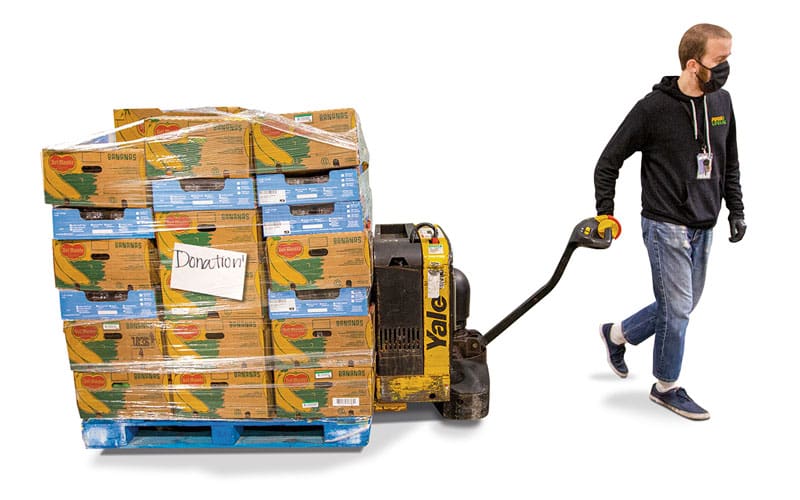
434,241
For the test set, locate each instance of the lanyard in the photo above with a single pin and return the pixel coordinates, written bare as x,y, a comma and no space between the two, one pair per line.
694,120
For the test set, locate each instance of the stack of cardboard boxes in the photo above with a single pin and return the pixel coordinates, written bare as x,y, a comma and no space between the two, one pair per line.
316,225
167,234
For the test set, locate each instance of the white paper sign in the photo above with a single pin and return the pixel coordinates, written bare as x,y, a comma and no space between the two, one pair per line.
208,270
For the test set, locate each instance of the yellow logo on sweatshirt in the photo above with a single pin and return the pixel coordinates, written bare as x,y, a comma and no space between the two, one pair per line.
718,120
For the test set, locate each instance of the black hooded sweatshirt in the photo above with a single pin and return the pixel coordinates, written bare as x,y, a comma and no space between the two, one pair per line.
662,127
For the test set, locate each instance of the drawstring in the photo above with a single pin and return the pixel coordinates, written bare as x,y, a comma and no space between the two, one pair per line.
694,121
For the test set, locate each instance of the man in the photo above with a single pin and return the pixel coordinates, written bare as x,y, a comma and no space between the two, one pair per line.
686,133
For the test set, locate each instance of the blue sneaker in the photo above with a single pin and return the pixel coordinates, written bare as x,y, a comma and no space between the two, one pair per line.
616,353
678,401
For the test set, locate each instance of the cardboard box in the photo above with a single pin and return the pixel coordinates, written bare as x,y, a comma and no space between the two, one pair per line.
122,395
220,394
235,342
316,140
129,116
337,217
93,342
331,260
173,195
186,146
102,223
221,229
325,187
125,264
323,342
324,392
102,305
95,176
182,304
292,304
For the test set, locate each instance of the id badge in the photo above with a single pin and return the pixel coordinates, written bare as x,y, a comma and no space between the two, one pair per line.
704,163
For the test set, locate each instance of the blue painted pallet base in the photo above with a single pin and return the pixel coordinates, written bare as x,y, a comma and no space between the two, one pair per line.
351,432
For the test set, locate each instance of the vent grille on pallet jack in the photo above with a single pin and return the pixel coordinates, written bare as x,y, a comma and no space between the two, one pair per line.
400,351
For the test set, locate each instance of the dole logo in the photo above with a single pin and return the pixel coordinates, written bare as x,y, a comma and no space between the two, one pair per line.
192,379
72,251
293,330
290,250
178,222
84,332
62,164
186,332
296,379
93,382
163,129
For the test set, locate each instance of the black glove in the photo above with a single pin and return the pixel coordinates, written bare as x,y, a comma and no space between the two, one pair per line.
738,227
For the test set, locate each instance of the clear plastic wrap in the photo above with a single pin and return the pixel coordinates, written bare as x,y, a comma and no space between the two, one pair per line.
215,263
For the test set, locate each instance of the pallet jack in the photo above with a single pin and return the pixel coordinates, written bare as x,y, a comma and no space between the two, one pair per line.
424,350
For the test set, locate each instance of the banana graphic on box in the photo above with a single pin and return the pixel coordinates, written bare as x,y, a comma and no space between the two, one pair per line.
161,158
58,188
90,404
69,274
188,402
79,353
269,148
281,271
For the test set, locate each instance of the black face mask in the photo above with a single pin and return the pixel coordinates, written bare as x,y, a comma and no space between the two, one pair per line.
719,75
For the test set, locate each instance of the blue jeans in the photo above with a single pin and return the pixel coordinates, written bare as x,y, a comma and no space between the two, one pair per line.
678,259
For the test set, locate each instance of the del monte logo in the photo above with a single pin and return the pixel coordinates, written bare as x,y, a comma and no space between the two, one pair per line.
290,249
62,164
72,251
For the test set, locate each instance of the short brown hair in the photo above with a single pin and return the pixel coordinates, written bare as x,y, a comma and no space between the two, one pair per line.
693,43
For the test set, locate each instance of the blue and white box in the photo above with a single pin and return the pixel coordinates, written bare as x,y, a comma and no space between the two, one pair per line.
131,304
318,303
176,195
325,187
102,224
341,216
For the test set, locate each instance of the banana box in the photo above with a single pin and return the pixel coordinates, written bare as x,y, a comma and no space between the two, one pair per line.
313,342
122,395
241,394
324,187
233,342
336,217
329,260
221,229
323,303
102,223
124,264
171,195
95,176
324,392
79,305
186,304
126,341
125,119
193,146
302,142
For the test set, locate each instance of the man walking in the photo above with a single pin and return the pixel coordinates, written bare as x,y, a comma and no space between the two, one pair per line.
686,133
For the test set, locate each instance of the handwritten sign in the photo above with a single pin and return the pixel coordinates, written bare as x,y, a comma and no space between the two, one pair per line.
208,270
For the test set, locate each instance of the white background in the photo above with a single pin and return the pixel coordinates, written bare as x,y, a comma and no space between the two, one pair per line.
486,118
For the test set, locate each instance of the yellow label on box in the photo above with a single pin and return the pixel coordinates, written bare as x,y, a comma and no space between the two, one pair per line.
95,177
124,264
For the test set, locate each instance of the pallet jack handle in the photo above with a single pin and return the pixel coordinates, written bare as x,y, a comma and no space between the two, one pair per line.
596,232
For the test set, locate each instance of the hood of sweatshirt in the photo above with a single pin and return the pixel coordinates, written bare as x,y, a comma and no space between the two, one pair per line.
669,85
